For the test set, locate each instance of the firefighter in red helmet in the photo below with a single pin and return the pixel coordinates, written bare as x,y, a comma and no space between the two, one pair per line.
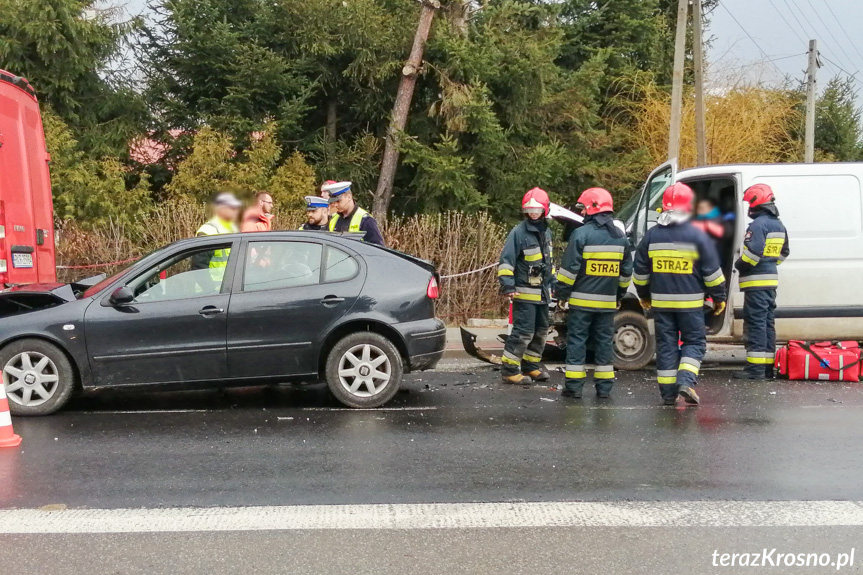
765,246
593,277
525,273
675,264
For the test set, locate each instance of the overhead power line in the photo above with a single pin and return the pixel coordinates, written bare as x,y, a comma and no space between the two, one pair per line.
748,35
841,27
787,23
829,30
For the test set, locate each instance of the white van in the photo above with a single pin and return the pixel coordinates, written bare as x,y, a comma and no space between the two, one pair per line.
821,205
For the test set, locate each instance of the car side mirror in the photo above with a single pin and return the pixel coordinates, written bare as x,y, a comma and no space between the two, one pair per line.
122,295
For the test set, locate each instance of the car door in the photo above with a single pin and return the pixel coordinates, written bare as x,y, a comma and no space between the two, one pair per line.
173,330
286,295
651,198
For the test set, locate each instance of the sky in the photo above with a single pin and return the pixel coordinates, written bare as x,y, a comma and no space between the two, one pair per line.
765,40
768,39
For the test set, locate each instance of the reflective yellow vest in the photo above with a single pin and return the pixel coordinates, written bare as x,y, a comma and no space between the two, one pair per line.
356,220
217,226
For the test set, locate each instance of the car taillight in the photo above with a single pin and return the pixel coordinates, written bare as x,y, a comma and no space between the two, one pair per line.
433,291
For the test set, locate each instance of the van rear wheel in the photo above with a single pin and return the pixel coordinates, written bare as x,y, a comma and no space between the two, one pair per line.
634,346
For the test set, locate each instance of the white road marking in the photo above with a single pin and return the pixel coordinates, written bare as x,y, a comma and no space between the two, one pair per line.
438,516
113,411
405,408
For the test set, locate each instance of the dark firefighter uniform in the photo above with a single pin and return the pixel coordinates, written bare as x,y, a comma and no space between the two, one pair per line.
525,272
765,246
593,276
674,265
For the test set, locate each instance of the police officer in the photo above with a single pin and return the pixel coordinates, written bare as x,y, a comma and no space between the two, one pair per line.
317,213
765,246
525,273
226,209
349,217
674,265
594,275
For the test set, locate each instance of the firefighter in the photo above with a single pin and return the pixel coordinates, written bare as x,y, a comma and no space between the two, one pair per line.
349,217
317,213
525,273
674,265
765,246
593,277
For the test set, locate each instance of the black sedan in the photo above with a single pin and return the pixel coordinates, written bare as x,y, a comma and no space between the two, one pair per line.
287,306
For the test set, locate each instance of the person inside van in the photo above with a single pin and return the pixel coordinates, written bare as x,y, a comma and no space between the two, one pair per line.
710,220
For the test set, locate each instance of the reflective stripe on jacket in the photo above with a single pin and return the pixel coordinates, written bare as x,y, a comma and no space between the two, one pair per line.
765,246
527,246
219,258
596,269
675,265
356,220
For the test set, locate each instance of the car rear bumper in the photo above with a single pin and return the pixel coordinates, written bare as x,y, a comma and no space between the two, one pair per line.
425,341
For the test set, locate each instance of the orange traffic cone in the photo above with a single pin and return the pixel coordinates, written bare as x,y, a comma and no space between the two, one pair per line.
7,435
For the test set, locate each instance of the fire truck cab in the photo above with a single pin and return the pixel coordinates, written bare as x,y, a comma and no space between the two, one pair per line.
26,209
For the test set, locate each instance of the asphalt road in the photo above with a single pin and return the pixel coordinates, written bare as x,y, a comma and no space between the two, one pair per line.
452,438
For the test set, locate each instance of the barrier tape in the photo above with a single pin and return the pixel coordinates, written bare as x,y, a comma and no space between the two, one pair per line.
98,265
476,271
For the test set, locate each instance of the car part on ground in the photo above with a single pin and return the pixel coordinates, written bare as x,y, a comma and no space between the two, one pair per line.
634,345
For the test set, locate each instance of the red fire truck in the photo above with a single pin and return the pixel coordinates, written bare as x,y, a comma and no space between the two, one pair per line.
26,209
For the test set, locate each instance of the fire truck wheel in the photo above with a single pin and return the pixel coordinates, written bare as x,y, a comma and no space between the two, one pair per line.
38,377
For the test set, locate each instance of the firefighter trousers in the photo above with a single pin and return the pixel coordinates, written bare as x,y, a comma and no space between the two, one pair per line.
524,346
758,326
681,341
598,328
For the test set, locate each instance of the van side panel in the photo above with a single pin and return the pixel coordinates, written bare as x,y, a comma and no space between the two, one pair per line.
26,209
820,295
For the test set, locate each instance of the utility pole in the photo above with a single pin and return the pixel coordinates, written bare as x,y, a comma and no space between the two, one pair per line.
698,57
809,139
390,159
677,80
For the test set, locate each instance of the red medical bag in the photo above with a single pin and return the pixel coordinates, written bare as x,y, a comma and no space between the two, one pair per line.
825,360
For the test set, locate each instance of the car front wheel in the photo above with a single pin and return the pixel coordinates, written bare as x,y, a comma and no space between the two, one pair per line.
364,370
38,377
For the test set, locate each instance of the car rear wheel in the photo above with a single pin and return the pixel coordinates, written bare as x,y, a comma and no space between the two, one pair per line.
364,370
634,346
38,377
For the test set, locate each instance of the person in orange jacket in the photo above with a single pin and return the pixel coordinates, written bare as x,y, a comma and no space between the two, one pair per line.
259,218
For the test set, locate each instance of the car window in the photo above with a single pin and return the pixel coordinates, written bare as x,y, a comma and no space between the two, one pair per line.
194,274
339,266
275,265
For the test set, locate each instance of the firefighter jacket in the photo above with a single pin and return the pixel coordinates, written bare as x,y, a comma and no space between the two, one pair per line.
765,246
597,266
675,265
525,263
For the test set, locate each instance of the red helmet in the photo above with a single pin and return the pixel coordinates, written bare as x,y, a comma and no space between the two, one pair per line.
678,198
758,194
534,201
596,201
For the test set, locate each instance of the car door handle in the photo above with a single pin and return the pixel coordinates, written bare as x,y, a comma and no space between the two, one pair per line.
332,300
210,310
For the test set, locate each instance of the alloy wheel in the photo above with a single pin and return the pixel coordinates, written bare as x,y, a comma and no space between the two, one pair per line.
31,378
364,370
